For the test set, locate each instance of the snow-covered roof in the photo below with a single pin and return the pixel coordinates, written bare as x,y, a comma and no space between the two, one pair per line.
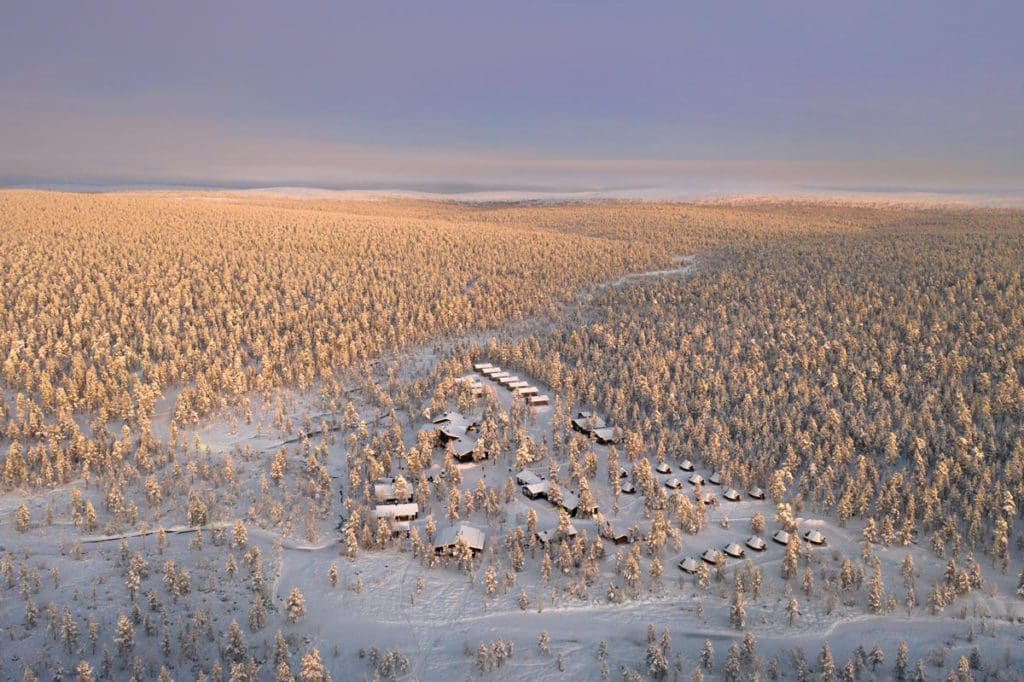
731,494
716,478
734,550
663,468
536,489
815,537
627,487
471,535
409,509
453,431
552,534
689,564
673,483
384,490
686,465
754,542
711,556
481,366
756,493
465,446
607,434
781,537
527,477
587,421
616,533
570,501
696,479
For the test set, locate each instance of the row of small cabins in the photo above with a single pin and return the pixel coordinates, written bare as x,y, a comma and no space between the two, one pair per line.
513,383
757,544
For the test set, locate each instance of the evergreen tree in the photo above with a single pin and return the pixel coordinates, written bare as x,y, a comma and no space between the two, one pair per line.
311,668
295,605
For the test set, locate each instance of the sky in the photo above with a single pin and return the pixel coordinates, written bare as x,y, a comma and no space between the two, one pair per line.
532,95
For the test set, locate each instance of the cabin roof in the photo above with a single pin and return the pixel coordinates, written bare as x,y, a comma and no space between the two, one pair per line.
386,510
471,535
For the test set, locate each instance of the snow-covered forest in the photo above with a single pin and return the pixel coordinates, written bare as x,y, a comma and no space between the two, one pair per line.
223,454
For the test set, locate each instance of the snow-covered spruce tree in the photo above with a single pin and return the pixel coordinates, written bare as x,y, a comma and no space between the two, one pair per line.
295,605
311,668
124,638
656,662
234,649
826,664
707,655
876,592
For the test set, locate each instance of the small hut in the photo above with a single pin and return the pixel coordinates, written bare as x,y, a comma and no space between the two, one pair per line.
571,503
732,495
734,550
757,544
696,479
686,465
627,488
815,537
756,493
618,535
781,537
673,483
716,478
689,565
663,468
554,535
712,556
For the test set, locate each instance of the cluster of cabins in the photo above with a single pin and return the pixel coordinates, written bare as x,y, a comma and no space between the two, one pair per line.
695,479
395,507
735,551
513,383
594,426
452,427
535,487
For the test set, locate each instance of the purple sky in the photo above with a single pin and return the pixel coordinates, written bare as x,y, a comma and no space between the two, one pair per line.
573,94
